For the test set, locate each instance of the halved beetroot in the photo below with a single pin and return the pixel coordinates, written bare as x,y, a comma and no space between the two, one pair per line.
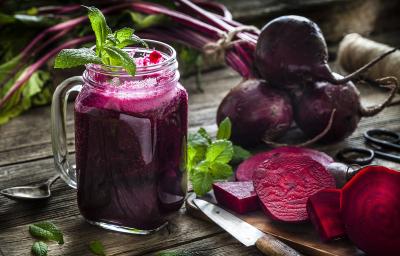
370,206
238,196
323,209
245,170
284,184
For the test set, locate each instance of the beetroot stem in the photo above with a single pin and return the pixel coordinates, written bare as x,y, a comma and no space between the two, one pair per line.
390,82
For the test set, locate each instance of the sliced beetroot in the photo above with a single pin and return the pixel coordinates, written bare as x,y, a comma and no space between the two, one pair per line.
370,206
323,209
245,170
237,196
284,184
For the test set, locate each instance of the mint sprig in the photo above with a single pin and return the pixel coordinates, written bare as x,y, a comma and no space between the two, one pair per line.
109,46
210,160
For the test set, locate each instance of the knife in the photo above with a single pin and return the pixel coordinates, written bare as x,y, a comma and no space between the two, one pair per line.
243,231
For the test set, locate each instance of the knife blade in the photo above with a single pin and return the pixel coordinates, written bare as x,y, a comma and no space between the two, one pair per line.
243,231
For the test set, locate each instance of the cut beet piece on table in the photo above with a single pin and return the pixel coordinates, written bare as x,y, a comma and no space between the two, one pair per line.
284,184
370,206
245,170
238,196
323,209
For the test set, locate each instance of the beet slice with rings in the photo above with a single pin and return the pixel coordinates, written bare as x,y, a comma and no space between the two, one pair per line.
283,185
370,205
245,170
237,196
323,209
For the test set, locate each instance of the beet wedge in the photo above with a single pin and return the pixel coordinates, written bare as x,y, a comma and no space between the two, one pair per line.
237,196
370,206
284,184
323,209
245,170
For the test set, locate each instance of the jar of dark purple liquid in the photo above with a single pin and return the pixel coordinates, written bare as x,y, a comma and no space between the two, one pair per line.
130,140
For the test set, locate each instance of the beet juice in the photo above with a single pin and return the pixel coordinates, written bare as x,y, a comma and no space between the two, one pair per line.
130,139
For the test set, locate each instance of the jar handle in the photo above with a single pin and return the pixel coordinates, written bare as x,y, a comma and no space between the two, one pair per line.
66,170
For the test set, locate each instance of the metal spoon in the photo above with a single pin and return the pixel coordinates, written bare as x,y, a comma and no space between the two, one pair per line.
35,192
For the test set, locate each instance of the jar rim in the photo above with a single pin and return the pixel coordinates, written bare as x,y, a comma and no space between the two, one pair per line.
166,50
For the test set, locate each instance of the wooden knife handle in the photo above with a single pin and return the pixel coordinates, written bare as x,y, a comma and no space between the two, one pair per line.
271,246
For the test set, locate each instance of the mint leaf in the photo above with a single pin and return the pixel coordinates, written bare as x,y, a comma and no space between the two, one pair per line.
47,231
220,171
202,180
121,57
123,34
69,58
204,134
220,151
39,249
97,248
195,155
239,154
224,129
99,26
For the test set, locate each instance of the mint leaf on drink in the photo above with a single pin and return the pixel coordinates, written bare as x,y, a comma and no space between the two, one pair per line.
69,58
46,231
224,129
97,248
39,249
120,57
109,46
99,26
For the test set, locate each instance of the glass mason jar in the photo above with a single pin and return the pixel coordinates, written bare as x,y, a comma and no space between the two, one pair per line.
130,140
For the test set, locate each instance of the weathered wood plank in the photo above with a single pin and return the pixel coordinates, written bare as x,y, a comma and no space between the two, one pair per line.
220,244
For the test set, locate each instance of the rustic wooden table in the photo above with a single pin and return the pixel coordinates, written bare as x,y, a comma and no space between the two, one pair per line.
26,158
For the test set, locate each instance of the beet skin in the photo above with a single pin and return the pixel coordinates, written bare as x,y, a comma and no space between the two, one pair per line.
256,111
323,209
291,50
370,206
314,109
245,170
237,196
283,185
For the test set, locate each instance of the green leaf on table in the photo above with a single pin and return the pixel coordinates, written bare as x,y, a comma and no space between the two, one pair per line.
99,26
239,154
97,248
39,249
69,58
120,57
47,231
224,129
220,151
142,21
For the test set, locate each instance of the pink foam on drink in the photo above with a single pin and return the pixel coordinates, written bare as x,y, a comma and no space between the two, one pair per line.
238,196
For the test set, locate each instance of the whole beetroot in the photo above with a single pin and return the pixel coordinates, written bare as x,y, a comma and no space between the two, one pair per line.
256,110
314,108
291,51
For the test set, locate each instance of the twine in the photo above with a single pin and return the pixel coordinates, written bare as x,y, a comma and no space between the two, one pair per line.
226,41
